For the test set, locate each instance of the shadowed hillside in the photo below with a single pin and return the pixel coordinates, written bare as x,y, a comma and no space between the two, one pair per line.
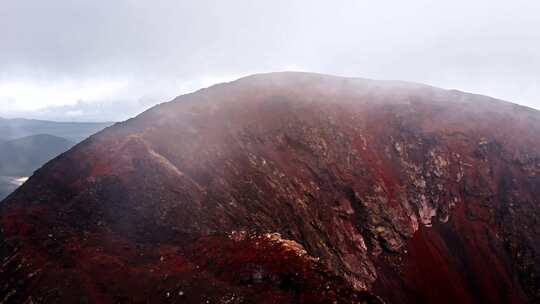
20,157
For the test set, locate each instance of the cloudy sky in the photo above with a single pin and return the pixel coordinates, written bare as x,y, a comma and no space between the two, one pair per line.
108,60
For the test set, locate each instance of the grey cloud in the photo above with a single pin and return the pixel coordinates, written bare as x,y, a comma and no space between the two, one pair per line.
487,47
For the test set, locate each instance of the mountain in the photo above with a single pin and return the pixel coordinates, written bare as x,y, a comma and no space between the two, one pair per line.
287,188
74,131
26,144
20,157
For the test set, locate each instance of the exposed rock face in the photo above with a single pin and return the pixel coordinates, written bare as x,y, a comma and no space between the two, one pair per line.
288,188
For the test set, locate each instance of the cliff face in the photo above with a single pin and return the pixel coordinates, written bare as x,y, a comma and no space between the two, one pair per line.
288,187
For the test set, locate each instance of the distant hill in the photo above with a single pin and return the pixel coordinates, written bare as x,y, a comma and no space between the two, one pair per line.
20,157
74,131
26,144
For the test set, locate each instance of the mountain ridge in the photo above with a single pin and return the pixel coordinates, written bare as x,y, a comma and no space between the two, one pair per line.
13,128
19,157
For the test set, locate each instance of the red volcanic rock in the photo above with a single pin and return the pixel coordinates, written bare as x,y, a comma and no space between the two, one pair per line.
287,188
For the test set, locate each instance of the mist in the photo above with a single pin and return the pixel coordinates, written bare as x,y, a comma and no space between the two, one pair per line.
95,61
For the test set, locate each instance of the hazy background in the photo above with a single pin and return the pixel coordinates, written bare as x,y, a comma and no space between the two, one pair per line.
84,60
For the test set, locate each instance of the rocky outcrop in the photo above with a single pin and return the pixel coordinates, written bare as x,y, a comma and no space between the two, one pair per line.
288,188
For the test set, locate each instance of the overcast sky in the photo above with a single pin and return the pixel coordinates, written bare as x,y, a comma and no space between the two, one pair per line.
109,60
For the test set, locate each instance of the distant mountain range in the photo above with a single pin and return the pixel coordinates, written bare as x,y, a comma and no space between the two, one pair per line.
27,144
73,131
20,157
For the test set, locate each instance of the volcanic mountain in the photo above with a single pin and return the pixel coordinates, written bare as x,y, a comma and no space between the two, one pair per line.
287,188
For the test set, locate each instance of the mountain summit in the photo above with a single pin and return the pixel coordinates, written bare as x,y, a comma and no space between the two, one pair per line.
287,188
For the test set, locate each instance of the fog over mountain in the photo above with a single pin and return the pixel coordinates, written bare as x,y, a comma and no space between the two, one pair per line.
95,61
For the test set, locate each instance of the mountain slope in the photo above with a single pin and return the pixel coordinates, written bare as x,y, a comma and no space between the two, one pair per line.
74,131
288,188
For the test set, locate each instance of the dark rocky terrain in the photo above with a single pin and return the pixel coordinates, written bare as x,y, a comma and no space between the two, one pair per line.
287,188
